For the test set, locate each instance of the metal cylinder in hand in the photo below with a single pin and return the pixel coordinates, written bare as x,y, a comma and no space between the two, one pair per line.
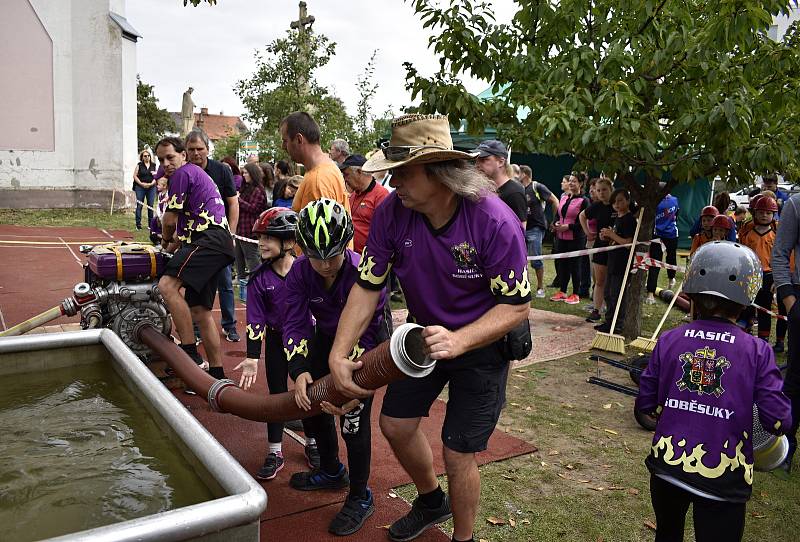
401,356
769,451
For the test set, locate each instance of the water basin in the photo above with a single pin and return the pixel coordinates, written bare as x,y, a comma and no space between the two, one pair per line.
92,446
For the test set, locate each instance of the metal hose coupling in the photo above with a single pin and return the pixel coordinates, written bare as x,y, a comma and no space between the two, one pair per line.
216,390
407,347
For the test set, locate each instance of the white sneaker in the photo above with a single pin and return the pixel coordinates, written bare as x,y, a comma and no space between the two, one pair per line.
650,300
540,293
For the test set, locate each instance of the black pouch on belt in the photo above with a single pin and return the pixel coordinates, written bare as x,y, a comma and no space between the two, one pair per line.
517,343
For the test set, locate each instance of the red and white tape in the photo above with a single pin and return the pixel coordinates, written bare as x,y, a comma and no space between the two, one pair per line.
585,251
644,261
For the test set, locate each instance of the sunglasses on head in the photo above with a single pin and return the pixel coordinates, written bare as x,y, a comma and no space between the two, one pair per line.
400,152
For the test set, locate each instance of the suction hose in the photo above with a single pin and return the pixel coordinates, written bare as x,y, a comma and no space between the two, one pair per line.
666,296
401,356
38,320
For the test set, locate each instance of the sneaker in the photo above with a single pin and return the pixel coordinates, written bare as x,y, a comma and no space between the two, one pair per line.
650,300
572,300
312,456
560,296
540,293
273,464
594,317
778,348
232,336
352,515
605,327
589,307
419,518
317,479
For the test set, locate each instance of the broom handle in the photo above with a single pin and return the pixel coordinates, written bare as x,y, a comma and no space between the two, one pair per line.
669,308
627,269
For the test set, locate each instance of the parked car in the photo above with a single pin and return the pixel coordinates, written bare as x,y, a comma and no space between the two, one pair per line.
742,198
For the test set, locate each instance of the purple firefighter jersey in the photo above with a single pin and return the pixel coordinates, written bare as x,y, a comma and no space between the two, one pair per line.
307,296
266,306
703,379
454,275
195,197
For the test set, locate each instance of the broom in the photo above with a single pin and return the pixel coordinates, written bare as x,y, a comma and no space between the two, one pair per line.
649,344
609,341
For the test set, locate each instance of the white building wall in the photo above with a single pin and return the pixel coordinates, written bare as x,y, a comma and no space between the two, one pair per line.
781,24
97,95
94,87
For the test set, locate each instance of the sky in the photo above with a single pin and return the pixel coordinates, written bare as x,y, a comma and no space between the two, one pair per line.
217,44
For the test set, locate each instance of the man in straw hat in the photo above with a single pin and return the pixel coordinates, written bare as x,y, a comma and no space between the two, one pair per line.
459,253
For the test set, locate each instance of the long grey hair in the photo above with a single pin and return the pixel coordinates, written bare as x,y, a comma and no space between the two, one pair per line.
462,177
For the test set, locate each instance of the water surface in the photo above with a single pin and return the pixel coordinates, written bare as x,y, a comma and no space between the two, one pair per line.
78,450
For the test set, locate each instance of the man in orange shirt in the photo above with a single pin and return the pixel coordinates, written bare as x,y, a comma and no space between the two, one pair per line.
301,139
365,197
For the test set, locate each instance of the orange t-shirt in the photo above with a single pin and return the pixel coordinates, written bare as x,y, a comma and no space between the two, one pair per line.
324,181
699,240
760,243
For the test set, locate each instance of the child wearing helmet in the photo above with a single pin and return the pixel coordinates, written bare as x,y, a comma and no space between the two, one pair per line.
266,306
759,235
701,382
704,235
318,285
720,226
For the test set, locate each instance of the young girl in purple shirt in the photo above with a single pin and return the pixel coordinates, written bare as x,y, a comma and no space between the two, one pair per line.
266,309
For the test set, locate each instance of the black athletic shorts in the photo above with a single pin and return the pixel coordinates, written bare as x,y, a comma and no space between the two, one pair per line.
600,258
476,394
196,267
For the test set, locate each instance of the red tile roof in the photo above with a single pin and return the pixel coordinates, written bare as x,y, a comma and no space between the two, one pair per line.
216,127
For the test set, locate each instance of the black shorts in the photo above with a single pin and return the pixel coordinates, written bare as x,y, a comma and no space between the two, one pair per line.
600,258
196,267
477,391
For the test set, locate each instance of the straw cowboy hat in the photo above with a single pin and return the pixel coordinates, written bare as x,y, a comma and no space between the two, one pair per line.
416,139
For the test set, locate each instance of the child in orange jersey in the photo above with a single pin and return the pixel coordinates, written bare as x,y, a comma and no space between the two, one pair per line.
759,236
704,236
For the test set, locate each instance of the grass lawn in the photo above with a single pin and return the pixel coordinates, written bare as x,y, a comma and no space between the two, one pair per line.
588,481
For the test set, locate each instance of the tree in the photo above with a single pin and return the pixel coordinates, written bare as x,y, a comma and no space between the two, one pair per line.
276,89
152,121
647,90
228,146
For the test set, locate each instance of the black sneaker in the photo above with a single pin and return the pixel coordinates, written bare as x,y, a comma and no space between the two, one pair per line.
312,456
232,336
352,515
594,316
273,464
419,518
317,479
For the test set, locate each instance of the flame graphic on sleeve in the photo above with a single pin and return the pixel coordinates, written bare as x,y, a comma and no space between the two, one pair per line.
300,349
356,353
255,332
513,287
365,270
